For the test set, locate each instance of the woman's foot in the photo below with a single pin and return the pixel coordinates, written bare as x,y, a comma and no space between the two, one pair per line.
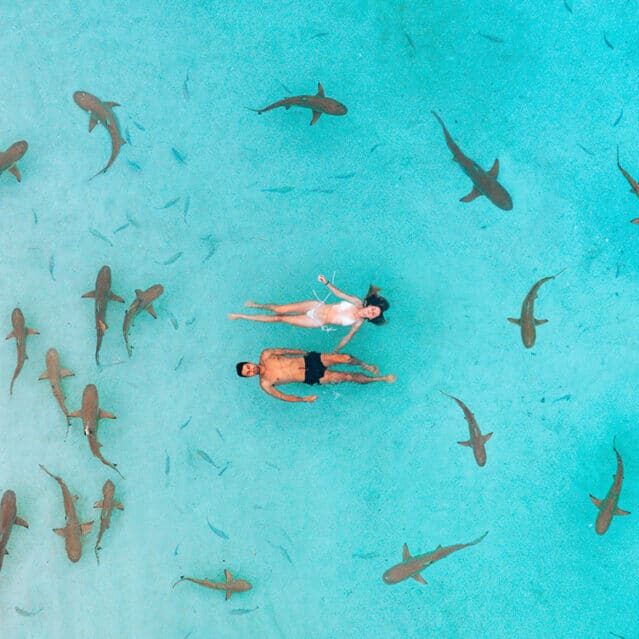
370,368
251,304
389,378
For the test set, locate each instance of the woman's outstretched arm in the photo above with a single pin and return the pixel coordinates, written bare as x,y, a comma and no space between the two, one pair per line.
333,289
347,338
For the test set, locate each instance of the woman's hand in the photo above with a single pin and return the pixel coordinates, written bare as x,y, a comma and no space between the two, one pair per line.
321,279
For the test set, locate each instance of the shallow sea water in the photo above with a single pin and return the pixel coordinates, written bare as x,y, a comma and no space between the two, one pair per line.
317,500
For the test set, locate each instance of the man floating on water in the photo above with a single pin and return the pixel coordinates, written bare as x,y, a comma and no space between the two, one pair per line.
288,366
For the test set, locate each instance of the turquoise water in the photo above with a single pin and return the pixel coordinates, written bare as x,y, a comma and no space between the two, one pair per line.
317,499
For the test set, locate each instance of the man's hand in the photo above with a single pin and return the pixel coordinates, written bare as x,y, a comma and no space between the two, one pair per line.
321,279
309,398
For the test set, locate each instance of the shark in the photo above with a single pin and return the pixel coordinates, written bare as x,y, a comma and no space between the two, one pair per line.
411,567
608,506
106,505
9,158
229,585
8,519
102,294
143,302
90,413
484,182
317,103
73,529
54,373
477,440
20,332
102,113
526,321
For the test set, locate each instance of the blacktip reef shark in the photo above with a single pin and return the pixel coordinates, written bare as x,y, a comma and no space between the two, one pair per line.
229,585
73,529
484,182
318,103
8,519
54,373
634,185
526,321
143,302
411,567
102,113
608,506
477,440
106,505
102,294
20,332
9,158
90,413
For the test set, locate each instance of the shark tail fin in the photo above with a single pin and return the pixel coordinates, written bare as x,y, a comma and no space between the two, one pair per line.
406,553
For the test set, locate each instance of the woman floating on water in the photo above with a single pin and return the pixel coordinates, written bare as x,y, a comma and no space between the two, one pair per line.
352,311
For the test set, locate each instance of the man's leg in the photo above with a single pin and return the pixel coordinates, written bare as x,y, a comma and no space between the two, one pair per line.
335,377
333,359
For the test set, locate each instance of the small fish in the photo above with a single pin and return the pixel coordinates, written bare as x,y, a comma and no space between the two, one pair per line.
134,165
243,611
139,126
320,190
568,6
187,206
178,156
52,267
216,531
321,34
167,464
121,228
206,457
35,216
175,552
99,235
411,44
616,122
490,37
375,146
283,551
190,321
188,634
186,423
272,465
172,319
562,398
185,87
224,469
212,246
26,613
344,176
171,260
220,434
607,42
585,150
127,135
132,222
616,635
169,204
365,555
179,363
280,189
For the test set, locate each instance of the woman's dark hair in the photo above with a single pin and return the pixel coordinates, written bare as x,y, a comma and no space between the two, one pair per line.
238,368
373,299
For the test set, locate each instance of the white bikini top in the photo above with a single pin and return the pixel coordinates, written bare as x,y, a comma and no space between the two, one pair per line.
342,314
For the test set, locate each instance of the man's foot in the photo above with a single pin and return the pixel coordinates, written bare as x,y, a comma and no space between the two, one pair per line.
251,304
234,316
389,378
370,368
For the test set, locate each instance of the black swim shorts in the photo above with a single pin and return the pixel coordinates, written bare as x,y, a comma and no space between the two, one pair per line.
314,369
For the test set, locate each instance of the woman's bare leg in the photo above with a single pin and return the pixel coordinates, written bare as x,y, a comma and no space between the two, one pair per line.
295,307
302,321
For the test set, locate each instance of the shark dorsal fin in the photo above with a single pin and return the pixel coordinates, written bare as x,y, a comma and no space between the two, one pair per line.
494,169
405,552
228,576
320,90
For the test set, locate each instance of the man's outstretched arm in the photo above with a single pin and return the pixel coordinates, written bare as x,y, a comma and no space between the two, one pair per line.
271,390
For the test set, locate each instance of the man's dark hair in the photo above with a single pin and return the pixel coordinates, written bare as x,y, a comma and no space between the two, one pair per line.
238,368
